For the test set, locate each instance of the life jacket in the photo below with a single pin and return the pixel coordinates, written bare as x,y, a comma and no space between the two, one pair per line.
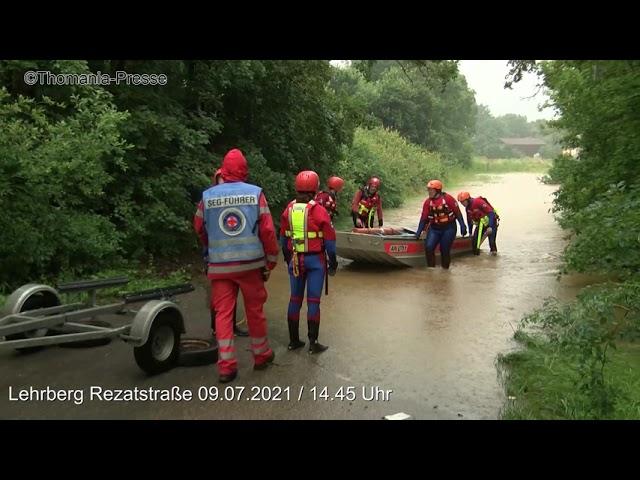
439,211
303,239
367,206
478,216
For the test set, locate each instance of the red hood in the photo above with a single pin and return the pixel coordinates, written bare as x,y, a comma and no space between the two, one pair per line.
234,166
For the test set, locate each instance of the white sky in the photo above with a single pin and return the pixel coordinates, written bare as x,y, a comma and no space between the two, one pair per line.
487,77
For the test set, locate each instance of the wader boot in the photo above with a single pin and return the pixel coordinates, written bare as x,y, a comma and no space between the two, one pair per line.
314,346
431,258
294,335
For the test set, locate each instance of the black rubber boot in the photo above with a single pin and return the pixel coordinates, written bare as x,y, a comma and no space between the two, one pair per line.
266,363
228,378
431,258
314,346
446,261
294,335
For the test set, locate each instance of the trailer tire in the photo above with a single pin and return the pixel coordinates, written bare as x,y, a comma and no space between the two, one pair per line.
96,342
35,301
161,350
196,352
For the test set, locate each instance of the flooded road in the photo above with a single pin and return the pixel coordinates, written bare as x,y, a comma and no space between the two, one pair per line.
430,336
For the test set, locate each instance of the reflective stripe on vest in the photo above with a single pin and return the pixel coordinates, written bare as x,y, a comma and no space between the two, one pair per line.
298,222
231,215
244,267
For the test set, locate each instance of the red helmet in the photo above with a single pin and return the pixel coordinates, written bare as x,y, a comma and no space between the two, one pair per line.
437,184
335,183
374,182
216,176
307,181
462,196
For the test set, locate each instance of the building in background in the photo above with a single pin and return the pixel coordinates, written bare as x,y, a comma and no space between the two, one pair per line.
529,146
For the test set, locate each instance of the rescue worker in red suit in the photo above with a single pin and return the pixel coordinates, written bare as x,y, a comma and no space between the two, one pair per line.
439,212
234,222
307,238
217,179
481,214
366,202
329,199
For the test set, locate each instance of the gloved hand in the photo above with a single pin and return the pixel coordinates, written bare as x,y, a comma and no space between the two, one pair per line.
266,273
333,268
380,223
332,264
489,231
359,223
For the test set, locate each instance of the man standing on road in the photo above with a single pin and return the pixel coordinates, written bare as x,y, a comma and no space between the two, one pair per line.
307,237
217,180
234,222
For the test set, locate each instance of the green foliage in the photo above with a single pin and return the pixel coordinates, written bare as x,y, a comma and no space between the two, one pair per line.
506,165
427,102
90,173
402,166
584,334
607,233
282,114
490,129
598,200
55,162
598,192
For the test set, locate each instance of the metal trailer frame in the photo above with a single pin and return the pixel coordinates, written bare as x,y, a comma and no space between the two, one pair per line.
154,331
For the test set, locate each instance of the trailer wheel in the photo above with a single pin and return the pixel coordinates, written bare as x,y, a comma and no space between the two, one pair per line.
35,301
162,348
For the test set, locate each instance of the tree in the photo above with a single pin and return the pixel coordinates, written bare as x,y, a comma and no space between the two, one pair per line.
599,108
56,162
427,102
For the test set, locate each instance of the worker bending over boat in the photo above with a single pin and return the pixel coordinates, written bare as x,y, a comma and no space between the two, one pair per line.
481,214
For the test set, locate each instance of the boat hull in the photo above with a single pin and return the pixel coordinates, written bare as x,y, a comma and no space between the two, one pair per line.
398,249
